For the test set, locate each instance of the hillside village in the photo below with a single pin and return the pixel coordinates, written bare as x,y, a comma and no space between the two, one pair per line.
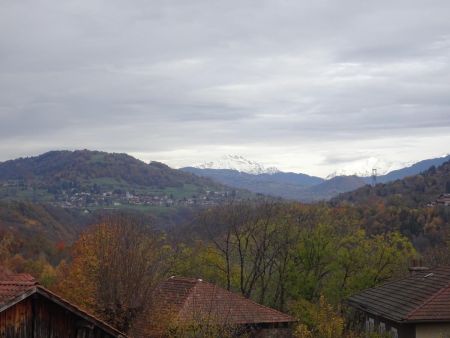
126,198
95,197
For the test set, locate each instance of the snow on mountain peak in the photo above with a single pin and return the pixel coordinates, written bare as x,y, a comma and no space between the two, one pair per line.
364,167
239,163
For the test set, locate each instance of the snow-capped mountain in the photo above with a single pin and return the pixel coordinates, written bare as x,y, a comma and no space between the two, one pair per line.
302,187
238,163
364,167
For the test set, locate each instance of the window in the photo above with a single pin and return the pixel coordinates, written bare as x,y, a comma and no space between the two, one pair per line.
370,324
394,332
382,327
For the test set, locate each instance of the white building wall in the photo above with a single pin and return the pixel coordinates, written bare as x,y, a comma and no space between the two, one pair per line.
433,330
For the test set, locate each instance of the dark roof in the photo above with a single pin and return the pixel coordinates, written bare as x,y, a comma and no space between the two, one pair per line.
190,299
422,297
16,287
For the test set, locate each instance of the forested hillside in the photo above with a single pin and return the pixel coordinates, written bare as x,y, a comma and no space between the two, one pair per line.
54,168
413,191
414,169
93,179
31,220
302,259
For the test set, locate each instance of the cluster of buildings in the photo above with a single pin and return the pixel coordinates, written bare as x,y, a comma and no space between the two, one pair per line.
94,197
442,200
417,306
28,310
115,199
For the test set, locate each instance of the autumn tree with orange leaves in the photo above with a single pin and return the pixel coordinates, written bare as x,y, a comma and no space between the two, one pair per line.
115,266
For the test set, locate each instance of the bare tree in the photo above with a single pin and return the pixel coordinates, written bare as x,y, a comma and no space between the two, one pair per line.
253,245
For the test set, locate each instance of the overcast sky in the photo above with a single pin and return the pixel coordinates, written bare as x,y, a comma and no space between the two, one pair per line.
306,86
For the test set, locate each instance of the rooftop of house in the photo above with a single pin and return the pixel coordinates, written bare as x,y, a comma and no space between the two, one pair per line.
16,287
422,297
13,285
190,299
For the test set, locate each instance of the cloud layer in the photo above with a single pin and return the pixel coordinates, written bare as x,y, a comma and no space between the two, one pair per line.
305,86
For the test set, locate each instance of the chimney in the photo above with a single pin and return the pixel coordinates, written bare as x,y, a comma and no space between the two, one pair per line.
416,267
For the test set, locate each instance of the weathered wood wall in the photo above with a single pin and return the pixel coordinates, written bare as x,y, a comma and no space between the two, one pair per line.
38,317
17,321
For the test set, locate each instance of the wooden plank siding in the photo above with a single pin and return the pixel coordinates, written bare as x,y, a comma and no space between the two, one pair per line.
17,321
39,317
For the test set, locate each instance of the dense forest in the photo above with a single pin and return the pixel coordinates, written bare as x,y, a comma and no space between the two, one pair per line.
296,258
302,259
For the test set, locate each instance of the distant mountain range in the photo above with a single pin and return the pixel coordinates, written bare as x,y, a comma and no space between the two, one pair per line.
297,186
286,185
94,180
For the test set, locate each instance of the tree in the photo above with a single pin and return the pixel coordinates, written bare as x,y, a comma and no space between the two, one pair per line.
319,320
6,244
248,242
115,267
336,262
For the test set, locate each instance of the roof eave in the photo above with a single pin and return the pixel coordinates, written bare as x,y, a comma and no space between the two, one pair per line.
65,304
363,308
62,302
424,321
13,301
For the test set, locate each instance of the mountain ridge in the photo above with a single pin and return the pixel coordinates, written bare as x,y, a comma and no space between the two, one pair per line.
72,178
413,169
303,187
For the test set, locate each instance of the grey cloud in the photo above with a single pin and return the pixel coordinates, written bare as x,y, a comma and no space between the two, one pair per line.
185,80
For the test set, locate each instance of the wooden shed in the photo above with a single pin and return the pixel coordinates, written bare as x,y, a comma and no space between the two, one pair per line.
28,310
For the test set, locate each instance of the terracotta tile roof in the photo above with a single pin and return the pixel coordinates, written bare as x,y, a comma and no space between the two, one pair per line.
191,299
424,296
12,286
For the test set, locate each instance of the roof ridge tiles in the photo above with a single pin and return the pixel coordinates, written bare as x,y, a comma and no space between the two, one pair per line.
427,301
